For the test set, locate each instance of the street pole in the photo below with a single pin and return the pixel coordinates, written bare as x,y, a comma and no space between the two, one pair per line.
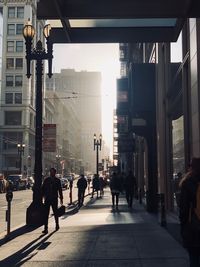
97,146
97,166
35,215
20,148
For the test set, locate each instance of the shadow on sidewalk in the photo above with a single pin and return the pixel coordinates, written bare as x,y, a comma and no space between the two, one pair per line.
17,232
25,253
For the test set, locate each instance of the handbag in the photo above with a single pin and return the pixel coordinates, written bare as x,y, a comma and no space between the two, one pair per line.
61,211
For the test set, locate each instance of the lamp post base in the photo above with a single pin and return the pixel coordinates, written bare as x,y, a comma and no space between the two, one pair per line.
35,215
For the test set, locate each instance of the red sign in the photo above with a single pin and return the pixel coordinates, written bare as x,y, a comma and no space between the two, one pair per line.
49,138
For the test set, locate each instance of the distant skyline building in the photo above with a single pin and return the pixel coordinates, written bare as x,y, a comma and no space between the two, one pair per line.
83,91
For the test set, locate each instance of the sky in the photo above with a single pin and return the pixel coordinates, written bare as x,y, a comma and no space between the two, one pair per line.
94,57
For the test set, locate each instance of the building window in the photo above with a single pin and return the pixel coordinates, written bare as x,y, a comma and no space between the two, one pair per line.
19,63
19,28
10,46
18,98
19,46
11,29
9,98
11,12
20,12
13,117
10,63
9,80
18,80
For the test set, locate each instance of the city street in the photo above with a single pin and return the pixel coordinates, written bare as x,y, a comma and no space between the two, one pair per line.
21,200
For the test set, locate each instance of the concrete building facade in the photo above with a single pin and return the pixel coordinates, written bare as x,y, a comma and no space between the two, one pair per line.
81,93
17,109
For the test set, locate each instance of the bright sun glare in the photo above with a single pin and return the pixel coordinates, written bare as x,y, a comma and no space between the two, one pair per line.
94,57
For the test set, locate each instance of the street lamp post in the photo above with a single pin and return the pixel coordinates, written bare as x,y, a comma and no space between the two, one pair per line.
97,145
20,148
58,157
38,54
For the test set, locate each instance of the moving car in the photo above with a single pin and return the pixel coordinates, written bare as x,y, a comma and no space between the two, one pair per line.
18,181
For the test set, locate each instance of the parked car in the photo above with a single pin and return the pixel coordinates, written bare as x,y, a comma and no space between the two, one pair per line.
18,181
64,183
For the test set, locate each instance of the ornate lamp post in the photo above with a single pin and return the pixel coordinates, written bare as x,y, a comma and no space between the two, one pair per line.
97,145
38,54
20,148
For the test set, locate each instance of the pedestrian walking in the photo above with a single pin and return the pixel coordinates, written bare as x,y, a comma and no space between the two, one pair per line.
95,185
89,182
115,187
81,185
51,188
130,188
101,186
190,212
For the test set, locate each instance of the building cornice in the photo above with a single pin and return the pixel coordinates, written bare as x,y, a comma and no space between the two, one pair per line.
26,2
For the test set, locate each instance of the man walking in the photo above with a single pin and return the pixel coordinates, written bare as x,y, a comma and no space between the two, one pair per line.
130,188
50,189
81,185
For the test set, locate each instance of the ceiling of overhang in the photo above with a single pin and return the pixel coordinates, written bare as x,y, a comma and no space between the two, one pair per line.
110,21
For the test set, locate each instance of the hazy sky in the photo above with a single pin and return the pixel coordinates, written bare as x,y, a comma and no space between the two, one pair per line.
94,57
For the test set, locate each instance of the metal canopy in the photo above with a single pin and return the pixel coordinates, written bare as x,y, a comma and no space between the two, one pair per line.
101,21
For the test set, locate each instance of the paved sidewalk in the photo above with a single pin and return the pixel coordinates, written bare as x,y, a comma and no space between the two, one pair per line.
97,236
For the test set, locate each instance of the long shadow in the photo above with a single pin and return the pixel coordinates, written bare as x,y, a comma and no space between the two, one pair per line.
24,254
17,232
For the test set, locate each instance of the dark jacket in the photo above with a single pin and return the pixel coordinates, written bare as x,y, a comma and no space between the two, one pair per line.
51,187
115,183
82,184
130,183
96,183
191,237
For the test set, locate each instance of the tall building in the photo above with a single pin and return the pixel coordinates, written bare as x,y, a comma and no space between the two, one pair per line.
84,89
1,42
17,106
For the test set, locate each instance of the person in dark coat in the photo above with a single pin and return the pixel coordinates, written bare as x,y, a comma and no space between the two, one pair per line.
130,188
81,185
115,187
51,187
95,185
190,234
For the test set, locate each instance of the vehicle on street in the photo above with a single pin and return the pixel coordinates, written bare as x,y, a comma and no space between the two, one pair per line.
64,183
18,181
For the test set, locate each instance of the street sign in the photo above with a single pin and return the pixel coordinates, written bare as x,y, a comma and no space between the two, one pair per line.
49,138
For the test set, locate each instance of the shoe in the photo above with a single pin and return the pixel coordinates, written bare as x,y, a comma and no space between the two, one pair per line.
57,227
45,231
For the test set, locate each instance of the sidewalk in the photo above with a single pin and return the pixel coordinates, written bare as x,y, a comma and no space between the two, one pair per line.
96,236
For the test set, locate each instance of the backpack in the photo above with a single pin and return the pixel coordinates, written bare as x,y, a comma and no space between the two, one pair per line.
194,216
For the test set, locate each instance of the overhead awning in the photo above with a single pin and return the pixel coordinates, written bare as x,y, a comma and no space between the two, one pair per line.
102,21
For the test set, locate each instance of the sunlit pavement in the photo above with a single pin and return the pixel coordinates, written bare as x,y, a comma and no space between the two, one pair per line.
98,236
